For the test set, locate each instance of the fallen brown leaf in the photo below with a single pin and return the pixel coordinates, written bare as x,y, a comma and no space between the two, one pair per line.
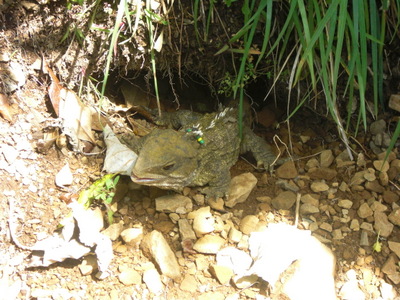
5,108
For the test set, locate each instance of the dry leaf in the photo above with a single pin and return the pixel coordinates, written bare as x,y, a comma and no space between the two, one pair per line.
5,108
54,89
119,158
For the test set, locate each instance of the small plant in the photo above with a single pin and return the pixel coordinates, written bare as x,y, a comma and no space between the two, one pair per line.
377,247
101,190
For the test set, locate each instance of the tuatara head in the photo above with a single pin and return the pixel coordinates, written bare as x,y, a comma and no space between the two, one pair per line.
167,159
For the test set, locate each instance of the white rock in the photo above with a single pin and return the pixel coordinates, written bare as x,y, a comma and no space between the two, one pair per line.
278,246
132,236
209,244
235,259
203,222
153,281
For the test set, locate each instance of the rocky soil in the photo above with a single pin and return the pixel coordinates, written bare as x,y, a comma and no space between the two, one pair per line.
321,226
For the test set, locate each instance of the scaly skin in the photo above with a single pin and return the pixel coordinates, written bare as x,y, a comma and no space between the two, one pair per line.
171,159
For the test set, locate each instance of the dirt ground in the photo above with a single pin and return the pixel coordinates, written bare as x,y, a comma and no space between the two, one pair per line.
32,204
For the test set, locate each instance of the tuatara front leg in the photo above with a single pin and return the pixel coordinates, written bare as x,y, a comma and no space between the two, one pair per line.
217,186
258,147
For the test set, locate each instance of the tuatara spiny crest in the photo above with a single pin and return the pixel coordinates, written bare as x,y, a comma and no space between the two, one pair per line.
198,152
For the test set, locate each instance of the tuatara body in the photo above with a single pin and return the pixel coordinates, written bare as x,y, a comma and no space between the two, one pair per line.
198,151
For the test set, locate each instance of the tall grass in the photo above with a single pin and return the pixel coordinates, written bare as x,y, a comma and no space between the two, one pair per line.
340,43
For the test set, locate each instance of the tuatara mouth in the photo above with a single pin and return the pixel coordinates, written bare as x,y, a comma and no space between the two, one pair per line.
145,180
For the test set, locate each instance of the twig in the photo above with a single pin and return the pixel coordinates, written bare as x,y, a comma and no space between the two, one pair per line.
296,220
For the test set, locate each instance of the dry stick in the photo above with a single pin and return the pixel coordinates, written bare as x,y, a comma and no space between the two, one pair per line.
396,186
296,220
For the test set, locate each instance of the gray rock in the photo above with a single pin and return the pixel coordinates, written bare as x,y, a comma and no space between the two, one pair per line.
390,197
377,206
319,186
155,245
382,224
394,217
374,186
364,211
285,200
378,126
355,225
322,173
287,170
240,188
395,247
174,203
185,230
310,199
326,158
307,208
381,165
287,185
345,203
364,242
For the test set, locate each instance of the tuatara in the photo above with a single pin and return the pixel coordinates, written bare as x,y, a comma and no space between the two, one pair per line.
198,152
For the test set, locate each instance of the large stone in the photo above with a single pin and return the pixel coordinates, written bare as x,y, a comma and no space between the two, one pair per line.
240,188
155,245
287,170
285,200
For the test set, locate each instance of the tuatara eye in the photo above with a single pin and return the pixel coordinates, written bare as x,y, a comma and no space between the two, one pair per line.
168,167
